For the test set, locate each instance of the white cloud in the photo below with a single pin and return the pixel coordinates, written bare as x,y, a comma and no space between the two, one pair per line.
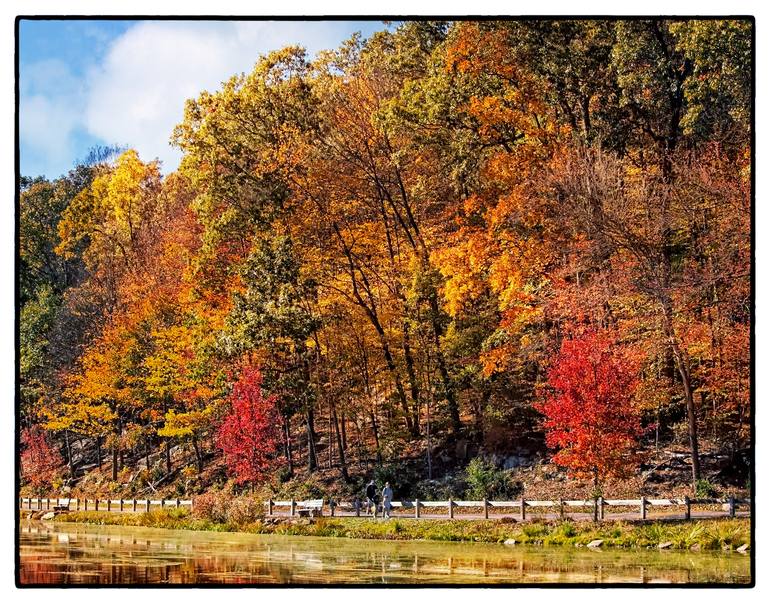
136,96
47,122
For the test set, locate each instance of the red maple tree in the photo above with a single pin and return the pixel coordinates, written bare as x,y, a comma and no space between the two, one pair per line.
590,416
248,434
40,462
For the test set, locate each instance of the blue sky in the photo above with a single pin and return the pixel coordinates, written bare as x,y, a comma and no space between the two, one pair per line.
89,82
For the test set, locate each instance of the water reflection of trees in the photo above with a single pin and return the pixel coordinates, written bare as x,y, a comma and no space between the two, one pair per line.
108,555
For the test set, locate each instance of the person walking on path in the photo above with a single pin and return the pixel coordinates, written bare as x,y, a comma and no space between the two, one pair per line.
387,497
371,496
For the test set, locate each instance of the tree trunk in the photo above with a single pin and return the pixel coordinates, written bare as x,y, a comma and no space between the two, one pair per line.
147,453
168,457
411,374
287,443
68,445
343,421
198,455
343,463
479,419
376,434
120,449
312,460
331,442
449,394
114,463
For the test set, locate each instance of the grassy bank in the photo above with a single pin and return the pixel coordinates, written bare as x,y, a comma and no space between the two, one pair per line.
705,534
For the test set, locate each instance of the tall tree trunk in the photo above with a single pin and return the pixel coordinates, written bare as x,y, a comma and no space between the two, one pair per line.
147,453
198,455
287,443
120,448
446,382
331,442
312,460
343,463
99,451
411,374
168,456
68,446
376,434
343,421
479,419
114,463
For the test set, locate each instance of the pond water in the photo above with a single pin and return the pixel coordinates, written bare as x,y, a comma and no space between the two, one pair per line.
65,553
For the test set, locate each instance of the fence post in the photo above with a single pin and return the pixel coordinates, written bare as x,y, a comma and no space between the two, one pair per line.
177,502
292,507
109,504
596,509
601,507
147,504
96,502
416,508
162,502
486,508
357,505
331,506
561,509
269,507
731,506
121,504
686,507
133,505
643,508
523,508
451,508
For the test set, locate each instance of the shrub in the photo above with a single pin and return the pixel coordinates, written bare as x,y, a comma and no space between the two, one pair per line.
484,480
244,510
212,506
703,488
224,508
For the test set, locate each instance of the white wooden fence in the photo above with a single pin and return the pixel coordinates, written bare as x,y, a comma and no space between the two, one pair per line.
597,507
101,505
450,508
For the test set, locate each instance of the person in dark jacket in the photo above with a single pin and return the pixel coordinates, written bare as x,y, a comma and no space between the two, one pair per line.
371,498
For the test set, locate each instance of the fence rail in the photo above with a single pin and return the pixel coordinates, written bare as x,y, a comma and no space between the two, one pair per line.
75,504
596,508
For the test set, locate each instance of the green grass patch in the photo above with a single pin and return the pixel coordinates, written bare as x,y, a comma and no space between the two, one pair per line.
713,534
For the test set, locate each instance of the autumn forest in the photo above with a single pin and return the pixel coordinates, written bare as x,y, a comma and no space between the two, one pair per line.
448,243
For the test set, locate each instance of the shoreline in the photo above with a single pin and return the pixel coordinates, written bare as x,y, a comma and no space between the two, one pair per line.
701,535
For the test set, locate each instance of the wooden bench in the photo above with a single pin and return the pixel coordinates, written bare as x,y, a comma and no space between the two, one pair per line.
61,507
310,507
